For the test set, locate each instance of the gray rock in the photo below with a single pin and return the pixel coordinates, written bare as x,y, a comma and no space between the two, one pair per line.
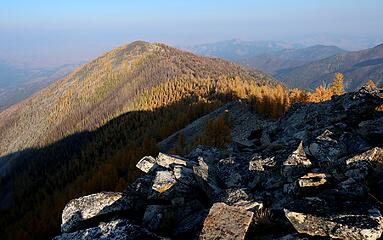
82,209
146,164
226,222
113,230
229,172
164,218
372,129
206,178
352,189
184,175
296,165
240,198
339,220
257,163
167,161
326,147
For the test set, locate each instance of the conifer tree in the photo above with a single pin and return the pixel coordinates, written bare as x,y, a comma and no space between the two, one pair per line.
337,86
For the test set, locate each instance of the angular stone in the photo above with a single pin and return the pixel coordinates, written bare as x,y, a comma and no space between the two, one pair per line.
229,172
146,164
189,225
239,198
326,147
372,129
206,178
260,164
352,189
226,222
113,230
163,181
184,175
339,220
84,208
372,155
312,180
296,164
164,218
167,161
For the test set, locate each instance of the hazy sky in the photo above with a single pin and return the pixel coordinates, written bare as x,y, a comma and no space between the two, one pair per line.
49,32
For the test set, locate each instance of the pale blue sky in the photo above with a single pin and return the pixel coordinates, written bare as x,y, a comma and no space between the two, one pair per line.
53,31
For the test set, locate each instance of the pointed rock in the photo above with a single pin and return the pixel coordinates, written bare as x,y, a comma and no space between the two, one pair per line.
296,164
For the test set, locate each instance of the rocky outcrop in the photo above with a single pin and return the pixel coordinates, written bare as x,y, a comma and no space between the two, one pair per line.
316,172
338,220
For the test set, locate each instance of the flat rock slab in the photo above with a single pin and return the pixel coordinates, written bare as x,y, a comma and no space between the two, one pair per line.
226,222
167,161
339,220
84,208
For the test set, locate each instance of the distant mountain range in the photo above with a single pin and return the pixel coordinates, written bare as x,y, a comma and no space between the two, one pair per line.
287,58
237,50
298,66
19,82
358,67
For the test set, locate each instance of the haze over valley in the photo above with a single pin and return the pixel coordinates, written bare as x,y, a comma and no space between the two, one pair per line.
160,119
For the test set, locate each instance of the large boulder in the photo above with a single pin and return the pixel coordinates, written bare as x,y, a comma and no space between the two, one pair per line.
80,211
226,222
339,220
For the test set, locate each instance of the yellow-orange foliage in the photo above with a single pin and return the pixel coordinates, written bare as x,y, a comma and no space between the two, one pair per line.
337,87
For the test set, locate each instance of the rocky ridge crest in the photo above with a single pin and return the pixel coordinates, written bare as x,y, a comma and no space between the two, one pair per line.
316,172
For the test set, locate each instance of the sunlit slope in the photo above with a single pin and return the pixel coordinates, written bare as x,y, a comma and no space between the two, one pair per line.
138,76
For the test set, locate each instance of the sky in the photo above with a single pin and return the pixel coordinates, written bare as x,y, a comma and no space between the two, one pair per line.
46,32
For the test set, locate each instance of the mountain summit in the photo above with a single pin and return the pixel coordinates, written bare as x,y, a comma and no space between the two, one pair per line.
122,80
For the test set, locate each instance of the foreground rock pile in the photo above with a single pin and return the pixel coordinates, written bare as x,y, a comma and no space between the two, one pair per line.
319,173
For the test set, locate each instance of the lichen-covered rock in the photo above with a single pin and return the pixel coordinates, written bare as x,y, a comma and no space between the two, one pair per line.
82,209
146,164
163,181
339,220
113,230
167,161
226,222
260,164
